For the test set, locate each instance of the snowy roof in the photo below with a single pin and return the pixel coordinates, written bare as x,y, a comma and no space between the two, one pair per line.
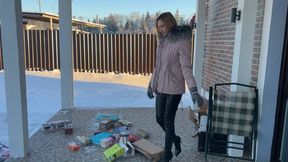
55,19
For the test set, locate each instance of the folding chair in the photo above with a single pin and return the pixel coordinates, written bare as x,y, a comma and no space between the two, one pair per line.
232,112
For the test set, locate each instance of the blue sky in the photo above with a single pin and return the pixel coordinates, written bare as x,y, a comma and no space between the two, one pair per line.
89,8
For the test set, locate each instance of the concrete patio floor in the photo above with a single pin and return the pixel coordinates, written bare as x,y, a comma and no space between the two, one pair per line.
52,146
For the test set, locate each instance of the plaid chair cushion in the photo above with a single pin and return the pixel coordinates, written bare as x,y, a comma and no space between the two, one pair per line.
233,113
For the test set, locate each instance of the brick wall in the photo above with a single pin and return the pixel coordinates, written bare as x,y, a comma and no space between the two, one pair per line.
219,42
257,41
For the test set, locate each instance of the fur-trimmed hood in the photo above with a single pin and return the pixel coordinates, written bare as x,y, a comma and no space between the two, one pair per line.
173,62
180,32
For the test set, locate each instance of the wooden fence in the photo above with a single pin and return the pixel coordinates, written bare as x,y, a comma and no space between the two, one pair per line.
101,53
119,53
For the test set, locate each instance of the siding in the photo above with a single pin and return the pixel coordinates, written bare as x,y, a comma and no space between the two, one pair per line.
219,42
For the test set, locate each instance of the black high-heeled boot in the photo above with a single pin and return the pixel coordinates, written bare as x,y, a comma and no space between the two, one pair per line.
167,157
177,143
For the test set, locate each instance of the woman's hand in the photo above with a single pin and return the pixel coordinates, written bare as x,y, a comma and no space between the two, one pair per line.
196,97
150,92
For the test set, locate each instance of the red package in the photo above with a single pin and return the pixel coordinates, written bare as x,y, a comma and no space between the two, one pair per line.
133,137
73,147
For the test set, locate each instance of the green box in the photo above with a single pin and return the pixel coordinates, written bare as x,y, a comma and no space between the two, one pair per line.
113,152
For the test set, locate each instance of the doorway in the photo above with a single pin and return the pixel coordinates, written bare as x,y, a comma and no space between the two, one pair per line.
280,137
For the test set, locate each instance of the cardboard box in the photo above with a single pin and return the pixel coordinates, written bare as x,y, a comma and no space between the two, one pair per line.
106,124
113,152
203,109
196,113
129,149
149,149
193,117
96,138
203,123
83,140
73,146
68,129
106,142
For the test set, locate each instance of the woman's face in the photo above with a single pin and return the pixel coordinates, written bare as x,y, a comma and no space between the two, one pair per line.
162,28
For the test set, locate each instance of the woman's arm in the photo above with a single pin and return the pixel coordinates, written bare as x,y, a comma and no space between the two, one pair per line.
185,62
186,68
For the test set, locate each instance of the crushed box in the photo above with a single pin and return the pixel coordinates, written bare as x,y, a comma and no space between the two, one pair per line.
149,149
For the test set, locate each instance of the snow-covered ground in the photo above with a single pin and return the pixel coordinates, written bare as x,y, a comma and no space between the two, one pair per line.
90,91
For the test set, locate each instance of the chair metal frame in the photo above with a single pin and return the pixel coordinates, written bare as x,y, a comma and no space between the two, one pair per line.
209,133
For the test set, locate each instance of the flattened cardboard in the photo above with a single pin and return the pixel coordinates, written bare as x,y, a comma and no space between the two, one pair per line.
149,149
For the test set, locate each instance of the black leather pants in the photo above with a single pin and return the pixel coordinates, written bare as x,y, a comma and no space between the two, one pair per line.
166,107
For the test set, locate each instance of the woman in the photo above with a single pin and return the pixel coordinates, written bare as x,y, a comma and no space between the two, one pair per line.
173,68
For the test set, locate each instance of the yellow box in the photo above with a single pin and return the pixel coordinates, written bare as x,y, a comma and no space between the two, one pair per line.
113,152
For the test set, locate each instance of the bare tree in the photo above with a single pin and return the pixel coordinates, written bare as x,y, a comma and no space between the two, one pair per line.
179,18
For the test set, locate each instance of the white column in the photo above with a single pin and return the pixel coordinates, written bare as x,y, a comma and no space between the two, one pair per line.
244,38
243,52
269,72
66,59
15,84
199,42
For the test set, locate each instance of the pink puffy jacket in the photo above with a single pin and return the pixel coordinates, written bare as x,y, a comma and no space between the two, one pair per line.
173,63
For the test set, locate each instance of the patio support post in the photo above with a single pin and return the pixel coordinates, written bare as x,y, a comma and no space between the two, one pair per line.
243,52
66,59
199,42
244,37
15,84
